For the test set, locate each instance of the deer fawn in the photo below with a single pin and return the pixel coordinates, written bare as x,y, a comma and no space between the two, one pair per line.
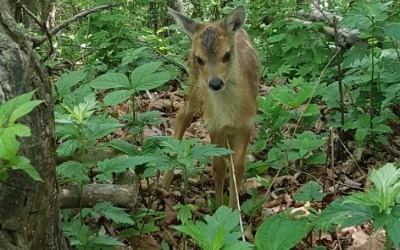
223,85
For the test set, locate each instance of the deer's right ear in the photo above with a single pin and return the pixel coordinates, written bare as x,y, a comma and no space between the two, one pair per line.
187,24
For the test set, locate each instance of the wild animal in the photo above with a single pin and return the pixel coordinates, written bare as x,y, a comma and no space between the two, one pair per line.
223,79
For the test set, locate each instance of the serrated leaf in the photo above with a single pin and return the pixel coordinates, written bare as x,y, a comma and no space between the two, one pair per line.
142,71
110,81
279,233
309,192
68,148
152,81
23,164
392,29
118,96
73,170
184,213
106,240
68,80
198,233
361,135
118,215
117,165
342,213
124,147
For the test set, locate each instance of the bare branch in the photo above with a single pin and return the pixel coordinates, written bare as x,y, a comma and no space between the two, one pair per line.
38,41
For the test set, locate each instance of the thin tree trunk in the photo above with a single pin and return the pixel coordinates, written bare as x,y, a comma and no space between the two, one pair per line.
29,212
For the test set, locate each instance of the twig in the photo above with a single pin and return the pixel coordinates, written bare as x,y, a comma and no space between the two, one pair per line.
47,36
38,41
232,169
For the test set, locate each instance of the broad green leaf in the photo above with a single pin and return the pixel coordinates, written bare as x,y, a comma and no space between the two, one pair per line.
305,94
198,232
342,213
286,99
8,145
111,81
309,192
361,135
68,80
22,110
68,147
23,164
106,240
74,171
279,233
392,29
124,147
139,73
118,96
152,81
118,215
19,130
108,167
7,108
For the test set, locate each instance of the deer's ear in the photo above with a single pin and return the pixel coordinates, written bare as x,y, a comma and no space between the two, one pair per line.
188,25
235,20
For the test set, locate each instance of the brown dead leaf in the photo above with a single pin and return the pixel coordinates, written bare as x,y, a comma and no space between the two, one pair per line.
144,242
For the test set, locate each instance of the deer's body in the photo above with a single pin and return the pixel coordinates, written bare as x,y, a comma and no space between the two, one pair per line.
223,85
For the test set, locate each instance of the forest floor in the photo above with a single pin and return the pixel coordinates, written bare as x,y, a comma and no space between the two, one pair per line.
348,174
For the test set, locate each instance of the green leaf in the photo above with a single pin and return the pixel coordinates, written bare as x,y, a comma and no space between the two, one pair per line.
279,233
108,167
68,80
106,240
198,232
19,130
342,213
309,192
8,145
140,72
118,96
286,99
7,108
387,183
118,215
124,147
361,135
68,148
152,81
144,78
23,164
73,170
184,212
111,81
392,30
22,110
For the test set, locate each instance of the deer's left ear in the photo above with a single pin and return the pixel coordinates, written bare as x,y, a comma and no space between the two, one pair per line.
235,20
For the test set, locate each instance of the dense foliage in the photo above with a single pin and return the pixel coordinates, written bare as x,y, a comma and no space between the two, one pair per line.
329,93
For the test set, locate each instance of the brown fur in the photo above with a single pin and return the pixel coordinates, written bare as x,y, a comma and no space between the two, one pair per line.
224,90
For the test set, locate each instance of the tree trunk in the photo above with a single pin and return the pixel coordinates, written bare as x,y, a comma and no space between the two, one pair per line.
29,212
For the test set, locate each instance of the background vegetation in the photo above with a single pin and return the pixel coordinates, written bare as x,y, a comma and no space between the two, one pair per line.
328,120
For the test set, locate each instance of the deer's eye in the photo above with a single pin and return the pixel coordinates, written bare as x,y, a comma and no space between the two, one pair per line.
227,57
199,61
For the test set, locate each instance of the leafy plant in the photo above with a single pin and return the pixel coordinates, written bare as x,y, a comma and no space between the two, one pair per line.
142,78
309,192
379,204
280,232
190,151
10,112
217,232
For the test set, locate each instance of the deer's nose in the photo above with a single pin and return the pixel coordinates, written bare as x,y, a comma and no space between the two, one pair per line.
215,84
